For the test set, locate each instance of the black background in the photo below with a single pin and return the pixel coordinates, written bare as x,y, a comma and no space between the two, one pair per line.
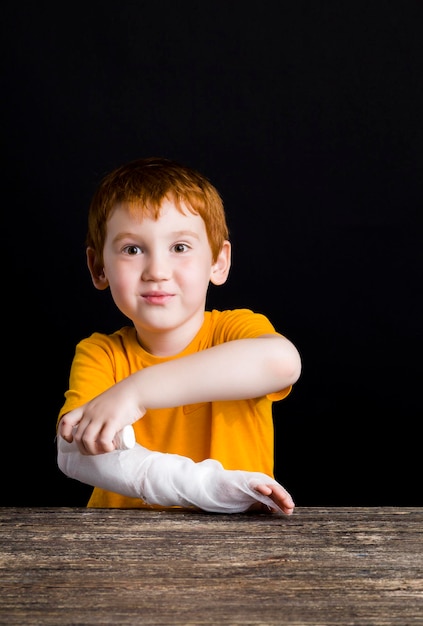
307,118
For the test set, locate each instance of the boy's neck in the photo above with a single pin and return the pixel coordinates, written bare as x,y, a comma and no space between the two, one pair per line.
168,343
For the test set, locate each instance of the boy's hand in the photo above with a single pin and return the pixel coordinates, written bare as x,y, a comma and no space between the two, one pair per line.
95,424
278,494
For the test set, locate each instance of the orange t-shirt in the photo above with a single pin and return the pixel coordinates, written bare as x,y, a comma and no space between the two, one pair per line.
238,433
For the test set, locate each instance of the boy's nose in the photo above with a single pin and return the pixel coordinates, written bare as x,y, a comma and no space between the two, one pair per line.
156,268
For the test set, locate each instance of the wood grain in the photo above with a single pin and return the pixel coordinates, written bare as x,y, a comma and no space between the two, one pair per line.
319,566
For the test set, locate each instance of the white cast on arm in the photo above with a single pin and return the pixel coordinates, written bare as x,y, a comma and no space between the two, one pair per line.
165,479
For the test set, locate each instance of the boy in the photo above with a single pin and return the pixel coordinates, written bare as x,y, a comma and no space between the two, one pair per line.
197,386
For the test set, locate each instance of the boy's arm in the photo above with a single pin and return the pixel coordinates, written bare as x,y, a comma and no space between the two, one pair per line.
174,480
239,369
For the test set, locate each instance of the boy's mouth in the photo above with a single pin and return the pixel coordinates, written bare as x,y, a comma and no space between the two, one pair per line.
157,297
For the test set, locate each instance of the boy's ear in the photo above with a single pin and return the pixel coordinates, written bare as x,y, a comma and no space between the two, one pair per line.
220,268
96,270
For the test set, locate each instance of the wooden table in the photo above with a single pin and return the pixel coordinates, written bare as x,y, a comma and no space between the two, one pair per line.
320,566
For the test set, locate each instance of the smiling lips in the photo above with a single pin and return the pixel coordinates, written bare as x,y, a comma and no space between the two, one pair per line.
157,297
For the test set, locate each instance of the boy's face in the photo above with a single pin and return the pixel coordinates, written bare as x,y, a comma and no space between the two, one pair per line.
159,271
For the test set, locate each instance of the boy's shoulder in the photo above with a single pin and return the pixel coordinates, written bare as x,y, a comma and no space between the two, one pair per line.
238,323
116,338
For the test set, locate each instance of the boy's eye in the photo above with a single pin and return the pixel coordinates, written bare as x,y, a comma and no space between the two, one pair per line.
180,247
132,250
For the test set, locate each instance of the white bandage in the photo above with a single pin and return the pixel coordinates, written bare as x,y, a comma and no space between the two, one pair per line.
165,479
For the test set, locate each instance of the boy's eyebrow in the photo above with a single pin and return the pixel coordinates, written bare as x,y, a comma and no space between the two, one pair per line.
173,235
185,233
126,235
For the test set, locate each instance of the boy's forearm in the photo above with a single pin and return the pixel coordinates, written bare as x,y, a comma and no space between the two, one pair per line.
171,479
246,368
237,370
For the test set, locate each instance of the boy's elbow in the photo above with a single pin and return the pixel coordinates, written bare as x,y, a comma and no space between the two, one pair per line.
296,368
289,364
